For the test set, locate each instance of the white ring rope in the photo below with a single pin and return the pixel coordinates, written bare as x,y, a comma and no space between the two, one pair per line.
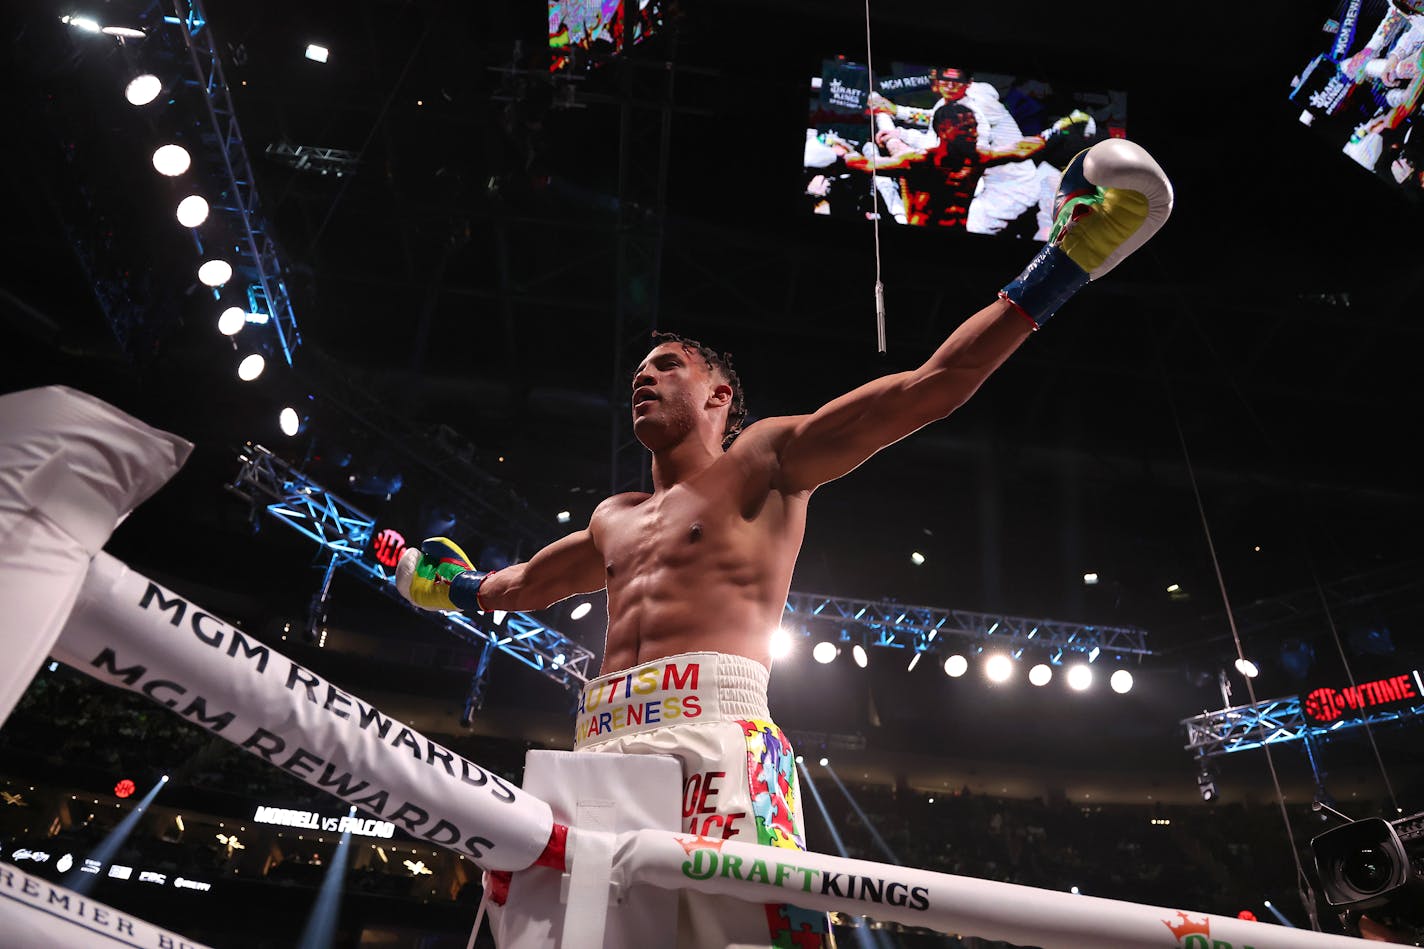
128,631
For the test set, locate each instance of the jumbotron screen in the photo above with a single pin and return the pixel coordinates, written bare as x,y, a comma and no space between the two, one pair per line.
1363,87
944,147
582,32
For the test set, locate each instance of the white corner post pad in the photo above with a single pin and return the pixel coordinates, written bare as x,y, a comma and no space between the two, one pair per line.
597,795
72,467
38,914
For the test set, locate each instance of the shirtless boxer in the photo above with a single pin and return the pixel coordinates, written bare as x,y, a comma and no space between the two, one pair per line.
698,571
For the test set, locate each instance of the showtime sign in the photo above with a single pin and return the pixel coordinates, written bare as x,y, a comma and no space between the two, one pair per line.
1326,705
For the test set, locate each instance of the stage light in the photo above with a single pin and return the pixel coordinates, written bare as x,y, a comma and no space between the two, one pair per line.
251,367
781,644
563,517
1121,682
955,666
1090,579
192,211
582,610
143,89
914,661
232,321
1080,677
317,54
857,652
171,160
824,652
998,667
1247,668
290,421
1040,674
124,32
825,762
917,558
85,23
1207,786
215,273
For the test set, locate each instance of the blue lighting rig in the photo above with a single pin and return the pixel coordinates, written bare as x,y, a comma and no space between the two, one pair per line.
344,532
930,629
1274,721
257,252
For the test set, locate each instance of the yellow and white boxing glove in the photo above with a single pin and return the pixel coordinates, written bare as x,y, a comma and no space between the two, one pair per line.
1112,197
438,576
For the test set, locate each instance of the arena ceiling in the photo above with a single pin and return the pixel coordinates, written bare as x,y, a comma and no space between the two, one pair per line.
1233,410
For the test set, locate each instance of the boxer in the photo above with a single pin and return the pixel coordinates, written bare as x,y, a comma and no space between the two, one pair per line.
698,571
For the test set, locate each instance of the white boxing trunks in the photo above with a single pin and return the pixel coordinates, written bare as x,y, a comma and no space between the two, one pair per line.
709,711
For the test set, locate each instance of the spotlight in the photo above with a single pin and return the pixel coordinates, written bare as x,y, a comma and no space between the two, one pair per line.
232,321
1207,786
85,23
563,517
1040,674
317,54
580,611
143,89
998,667
824,652
955,666
917,558
123,32
171,160
215,273
1247,668
1121,682
192,211
251,367
290,421
1080,677
857,652
825,762
781,645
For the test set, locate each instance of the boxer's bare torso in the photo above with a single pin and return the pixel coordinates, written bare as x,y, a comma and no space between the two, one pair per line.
704,565
704,562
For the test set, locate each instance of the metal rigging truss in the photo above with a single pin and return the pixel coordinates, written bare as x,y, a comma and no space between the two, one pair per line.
926,628
257,252
1272,721
344,532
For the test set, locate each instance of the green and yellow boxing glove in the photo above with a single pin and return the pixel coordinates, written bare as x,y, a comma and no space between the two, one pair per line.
1112,197
439,576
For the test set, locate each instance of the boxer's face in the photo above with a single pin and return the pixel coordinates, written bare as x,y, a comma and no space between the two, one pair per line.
671,390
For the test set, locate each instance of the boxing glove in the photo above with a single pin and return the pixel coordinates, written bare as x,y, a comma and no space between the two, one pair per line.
1111,198
438,576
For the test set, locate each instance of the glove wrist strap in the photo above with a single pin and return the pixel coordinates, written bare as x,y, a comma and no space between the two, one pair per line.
1045,284
465,591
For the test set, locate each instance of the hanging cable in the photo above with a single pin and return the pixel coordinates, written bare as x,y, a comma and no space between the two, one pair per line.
874,190
1236,638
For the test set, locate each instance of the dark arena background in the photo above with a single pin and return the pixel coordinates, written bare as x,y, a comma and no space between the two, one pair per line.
447,243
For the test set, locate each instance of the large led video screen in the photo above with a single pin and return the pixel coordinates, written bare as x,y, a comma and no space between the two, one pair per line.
584,32
942,147
1362,87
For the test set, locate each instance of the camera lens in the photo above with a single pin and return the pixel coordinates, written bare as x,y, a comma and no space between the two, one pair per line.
1367,869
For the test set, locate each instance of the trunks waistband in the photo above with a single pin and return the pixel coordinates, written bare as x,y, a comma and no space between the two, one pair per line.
685,689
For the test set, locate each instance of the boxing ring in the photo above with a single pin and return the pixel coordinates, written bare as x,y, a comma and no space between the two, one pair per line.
72,467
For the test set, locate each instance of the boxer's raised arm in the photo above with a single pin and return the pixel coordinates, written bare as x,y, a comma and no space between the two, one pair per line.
846,431
568,566
439,576
1111,199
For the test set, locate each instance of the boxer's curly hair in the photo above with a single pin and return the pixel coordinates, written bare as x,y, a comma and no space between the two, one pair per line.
717,362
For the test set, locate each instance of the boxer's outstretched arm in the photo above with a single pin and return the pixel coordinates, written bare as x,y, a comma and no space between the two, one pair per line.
1111,199
845,432
569,566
